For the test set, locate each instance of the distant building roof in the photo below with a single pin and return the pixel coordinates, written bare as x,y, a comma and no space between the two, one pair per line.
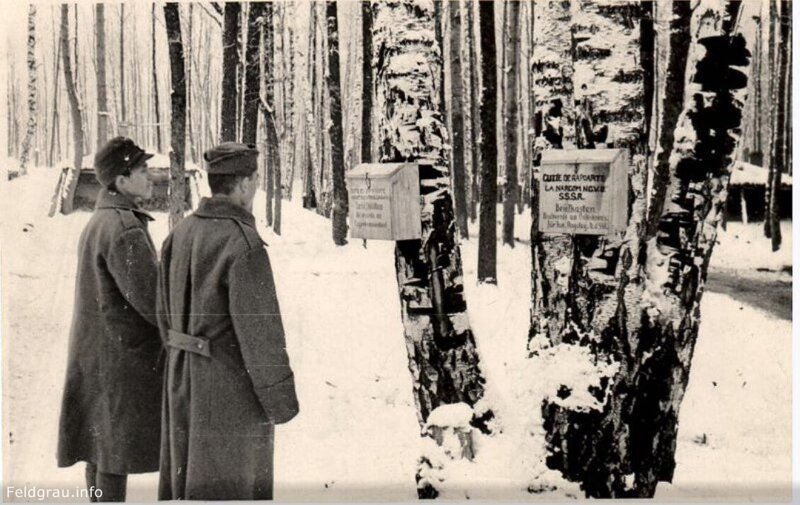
747,174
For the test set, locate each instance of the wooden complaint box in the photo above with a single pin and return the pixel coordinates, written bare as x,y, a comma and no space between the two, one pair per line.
384,201
583,192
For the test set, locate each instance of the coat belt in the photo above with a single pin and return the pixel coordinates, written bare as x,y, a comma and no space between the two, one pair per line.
189,343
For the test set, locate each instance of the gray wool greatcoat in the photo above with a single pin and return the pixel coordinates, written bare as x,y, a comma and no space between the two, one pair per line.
228,378
110,413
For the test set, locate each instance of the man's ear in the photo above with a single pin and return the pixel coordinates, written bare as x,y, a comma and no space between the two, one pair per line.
120,181
242,185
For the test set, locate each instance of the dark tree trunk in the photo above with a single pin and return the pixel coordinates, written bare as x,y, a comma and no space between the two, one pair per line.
159,143
772,65
487,241
270,127
647,38
100,49
443,358
674,88
75,112
457,120
177,189
336,131
309,196
510,190
367,83
438,30
230,66
252,88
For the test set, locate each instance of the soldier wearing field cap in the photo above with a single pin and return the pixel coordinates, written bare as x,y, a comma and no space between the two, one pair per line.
111,409
228,379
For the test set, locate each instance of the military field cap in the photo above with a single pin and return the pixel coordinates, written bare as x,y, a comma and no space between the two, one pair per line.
232,158
117,157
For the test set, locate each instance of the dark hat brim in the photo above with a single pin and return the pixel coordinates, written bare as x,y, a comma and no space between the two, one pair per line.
140,159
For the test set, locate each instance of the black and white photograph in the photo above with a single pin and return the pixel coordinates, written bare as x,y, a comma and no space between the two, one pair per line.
396,250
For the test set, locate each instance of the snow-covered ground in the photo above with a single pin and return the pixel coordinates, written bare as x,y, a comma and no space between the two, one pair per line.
357,437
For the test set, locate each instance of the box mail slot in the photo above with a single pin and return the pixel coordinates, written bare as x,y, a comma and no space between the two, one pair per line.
384,202
583,192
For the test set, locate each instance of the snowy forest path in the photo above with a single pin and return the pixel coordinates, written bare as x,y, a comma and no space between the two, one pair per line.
766,290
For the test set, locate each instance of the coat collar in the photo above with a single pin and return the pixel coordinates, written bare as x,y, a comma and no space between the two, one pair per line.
112,200
220,206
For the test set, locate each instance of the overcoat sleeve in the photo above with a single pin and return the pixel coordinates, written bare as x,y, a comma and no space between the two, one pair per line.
259,330
133,266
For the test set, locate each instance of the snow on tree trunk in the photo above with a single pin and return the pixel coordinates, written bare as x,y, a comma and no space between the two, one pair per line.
641,326
230,64
100,51
32,90
510,189
553,72
339,221
177,156
75,113
443,358
457,119
487,234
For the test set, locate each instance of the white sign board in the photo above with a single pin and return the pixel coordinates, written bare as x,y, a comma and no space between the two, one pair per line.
583,192
384,202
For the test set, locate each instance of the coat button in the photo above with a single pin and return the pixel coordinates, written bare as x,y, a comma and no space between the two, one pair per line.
199,346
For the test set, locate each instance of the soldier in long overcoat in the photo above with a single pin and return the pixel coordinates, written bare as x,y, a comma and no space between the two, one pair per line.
228,378
110,414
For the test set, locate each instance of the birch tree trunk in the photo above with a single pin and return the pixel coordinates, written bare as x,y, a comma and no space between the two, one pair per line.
512,73
230,66
487,235
177,156
75,112
30,131
335,129
640,329
443,358
457,119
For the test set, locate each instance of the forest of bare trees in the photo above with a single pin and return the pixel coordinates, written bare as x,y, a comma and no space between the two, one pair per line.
474,92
